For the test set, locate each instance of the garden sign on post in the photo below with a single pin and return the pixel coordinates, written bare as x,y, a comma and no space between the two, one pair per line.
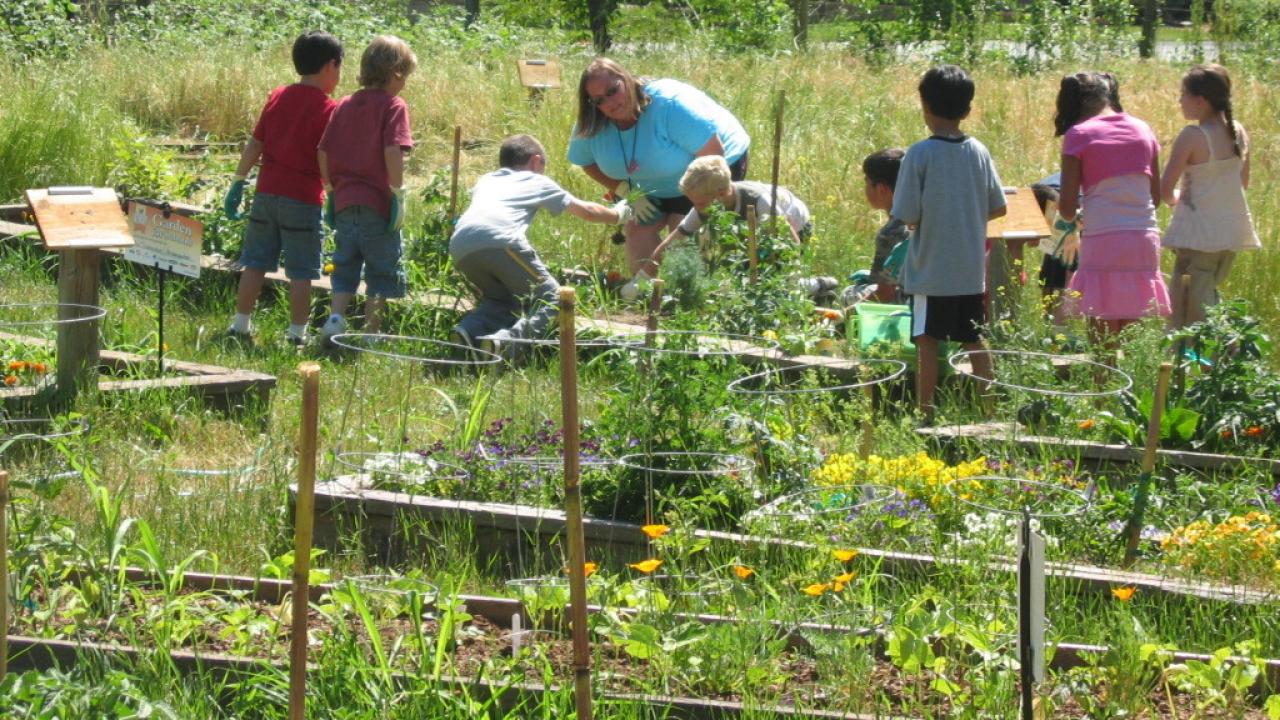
168,242
78,222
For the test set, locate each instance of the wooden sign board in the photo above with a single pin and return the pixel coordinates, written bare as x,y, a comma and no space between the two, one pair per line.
79,218
168,243
1023,221
539,74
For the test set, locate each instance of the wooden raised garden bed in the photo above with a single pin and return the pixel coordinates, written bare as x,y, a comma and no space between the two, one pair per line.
226,388
504,532
1093,451
495,615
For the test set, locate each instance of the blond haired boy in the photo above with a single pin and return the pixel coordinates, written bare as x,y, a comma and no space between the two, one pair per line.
706,181
362,162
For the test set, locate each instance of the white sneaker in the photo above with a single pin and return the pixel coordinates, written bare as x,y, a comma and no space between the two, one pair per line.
631,290
335,325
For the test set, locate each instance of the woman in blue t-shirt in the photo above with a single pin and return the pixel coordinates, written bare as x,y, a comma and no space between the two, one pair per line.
636,137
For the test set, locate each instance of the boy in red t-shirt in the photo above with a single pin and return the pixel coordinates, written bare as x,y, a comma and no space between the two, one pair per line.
362,162
285,217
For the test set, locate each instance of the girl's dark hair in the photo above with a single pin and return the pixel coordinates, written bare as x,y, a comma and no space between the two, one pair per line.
1083,95
1211,82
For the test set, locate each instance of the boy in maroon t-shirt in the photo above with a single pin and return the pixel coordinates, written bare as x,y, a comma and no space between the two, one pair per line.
362,162
285,217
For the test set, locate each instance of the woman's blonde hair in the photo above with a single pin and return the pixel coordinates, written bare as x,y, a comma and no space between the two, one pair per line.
590,120
386,57
708,176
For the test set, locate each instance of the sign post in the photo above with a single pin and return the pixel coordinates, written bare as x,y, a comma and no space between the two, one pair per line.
168,242
1030,612
78,222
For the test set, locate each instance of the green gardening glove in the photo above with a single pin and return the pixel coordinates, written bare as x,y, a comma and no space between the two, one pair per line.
327,213
235,196
395,219
897,257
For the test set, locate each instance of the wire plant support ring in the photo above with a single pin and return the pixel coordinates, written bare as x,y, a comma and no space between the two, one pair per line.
1053,363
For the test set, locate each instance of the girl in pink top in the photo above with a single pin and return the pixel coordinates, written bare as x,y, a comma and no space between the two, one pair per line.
1115,158
1211,220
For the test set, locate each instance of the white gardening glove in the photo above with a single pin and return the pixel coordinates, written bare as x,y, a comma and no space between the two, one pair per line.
623,208
643,208
1067,247
631,290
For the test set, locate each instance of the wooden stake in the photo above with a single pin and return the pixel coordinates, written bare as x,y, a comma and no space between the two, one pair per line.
304,520
1179,322
777,160
1133,533
78,346
753,243
4,574
573,505
655,307
457,161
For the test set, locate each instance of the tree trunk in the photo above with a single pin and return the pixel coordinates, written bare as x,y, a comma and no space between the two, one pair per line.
801,10
473,12
598,10
1150,15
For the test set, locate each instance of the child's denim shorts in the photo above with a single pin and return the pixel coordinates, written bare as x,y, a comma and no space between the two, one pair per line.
363,241
279,224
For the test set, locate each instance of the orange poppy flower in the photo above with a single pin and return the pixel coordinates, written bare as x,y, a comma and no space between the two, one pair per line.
655,531
1086,424
816,589
588,569
1124,594
17,366
646,566
844,555
39,368
1254,431
743,572
10,379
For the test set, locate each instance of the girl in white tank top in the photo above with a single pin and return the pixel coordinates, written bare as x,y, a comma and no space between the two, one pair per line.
1211,219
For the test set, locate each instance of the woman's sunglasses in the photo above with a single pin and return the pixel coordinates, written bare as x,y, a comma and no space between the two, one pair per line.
613,90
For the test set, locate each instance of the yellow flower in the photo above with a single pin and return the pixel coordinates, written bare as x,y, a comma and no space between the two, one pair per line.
743,572
328,268
769,335
845,577
655,531
816,589
646,566
1086,424
844,556
1124,594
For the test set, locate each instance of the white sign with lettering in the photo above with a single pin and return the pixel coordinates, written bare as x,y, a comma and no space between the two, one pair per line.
168,243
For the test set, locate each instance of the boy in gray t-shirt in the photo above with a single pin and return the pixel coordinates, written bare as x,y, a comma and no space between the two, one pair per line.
490,249
947,190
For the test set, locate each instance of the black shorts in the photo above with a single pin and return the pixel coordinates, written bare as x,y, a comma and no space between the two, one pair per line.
1053,274
681,205
958,318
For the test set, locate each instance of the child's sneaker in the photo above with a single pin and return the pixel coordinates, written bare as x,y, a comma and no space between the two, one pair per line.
335,325
295,341
499,343
235,337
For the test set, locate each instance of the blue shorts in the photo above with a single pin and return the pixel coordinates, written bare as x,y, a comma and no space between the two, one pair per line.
279,224
363,242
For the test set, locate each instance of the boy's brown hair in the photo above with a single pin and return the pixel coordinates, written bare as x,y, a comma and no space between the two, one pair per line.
517,150
386,57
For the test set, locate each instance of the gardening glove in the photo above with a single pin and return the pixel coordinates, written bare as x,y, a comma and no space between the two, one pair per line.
1067,247
896,259
646,212
395,220
235,195
631,290
625,213
327,213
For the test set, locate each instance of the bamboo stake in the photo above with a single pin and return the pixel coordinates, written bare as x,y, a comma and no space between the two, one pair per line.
457,160
4,574
753,243
777,160
1180,322
1134,531
304,519
655,307
573,506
